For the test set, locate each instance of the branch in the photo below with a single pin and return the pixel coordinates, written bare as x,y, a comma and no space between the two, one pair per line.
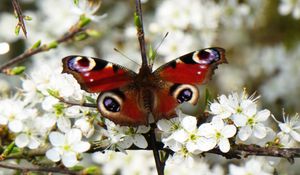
37,169
18,12
74,30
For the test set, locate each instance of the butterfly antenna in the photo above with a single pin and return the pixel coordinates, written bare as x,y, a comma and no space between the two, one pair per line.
117,50
163,39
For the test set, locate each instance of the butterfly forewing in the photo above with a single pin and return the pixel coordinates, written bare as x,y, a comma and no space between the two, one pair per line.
97,75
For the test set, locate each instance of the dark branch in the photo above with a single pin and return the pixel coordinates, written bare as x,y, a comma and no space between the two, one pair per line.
37,169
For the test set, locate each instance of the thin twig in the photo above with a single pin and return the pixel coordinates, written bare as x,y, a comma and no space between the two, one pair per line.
18,12
32,51
37,169
72,103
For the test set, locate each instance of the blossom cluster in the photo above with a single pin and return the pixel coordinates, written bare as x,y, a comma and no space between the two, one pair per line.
37,116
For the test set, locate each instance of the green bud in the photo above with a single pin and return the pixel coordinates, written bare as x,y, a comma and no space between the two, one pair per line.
17,70
137,21
52,45
27,18
76,2
53,93
92,170
36,45
59,109
81,36
17,29
93,33
151,53
83,21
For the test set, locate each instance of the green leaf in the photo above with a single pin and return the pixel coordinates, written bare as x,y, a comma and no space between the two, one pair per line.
90,99
137,21
36,45
53,93
77,168
208,98
83,21
17,29
8,150
17,70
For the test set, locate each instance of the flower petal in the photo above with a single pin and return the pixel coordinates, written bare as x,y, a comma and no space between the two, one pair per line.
224,145
81,147
189,123
53,155
69,159
295,135
15,126
140,141
73,136
228,131
205,144
262,115
245,132
56,138
22,140
259,131
164,125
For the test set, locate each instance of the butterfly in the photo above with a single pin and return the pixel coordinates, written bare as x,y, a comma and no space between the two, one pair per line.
129,98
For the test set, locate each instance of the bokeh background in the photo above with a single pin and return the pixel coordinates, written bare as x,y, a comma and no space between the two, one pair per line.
261,38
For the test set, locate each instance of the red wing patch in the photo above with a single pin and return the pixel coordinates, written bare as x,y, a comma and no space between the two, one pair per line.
96,75
193,68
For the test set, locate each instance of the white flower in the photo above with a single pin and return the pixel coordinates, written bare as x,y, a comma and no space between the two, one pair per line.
33,135
13,112
290,129
252,167
122,137
88,8
66,147
220,133
221,108
252,124
290,7
86,126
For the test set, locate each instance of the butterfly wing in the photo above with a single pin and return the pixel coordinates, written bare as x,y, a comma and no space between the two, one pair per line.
181,76
96,75
117,101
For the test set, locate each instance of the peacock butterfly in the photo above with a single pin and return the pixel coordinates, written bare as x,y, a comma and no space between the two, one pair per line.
130,98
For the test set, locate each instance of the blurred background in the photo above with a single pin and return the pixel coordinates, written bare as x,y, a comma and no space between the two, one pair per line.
261,38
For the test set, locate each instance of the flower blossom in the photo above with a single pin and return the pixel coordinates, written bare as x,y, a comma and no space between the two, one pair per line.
67,147
219,132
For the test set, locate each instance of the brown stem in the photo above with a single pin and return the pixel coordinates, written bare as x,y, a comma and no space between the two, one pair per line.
43,48
37,169
158,163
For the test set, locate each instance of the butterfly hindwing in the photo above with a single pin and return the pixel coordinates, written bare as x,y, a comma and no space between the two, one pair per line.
180,78
123,106
96,75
